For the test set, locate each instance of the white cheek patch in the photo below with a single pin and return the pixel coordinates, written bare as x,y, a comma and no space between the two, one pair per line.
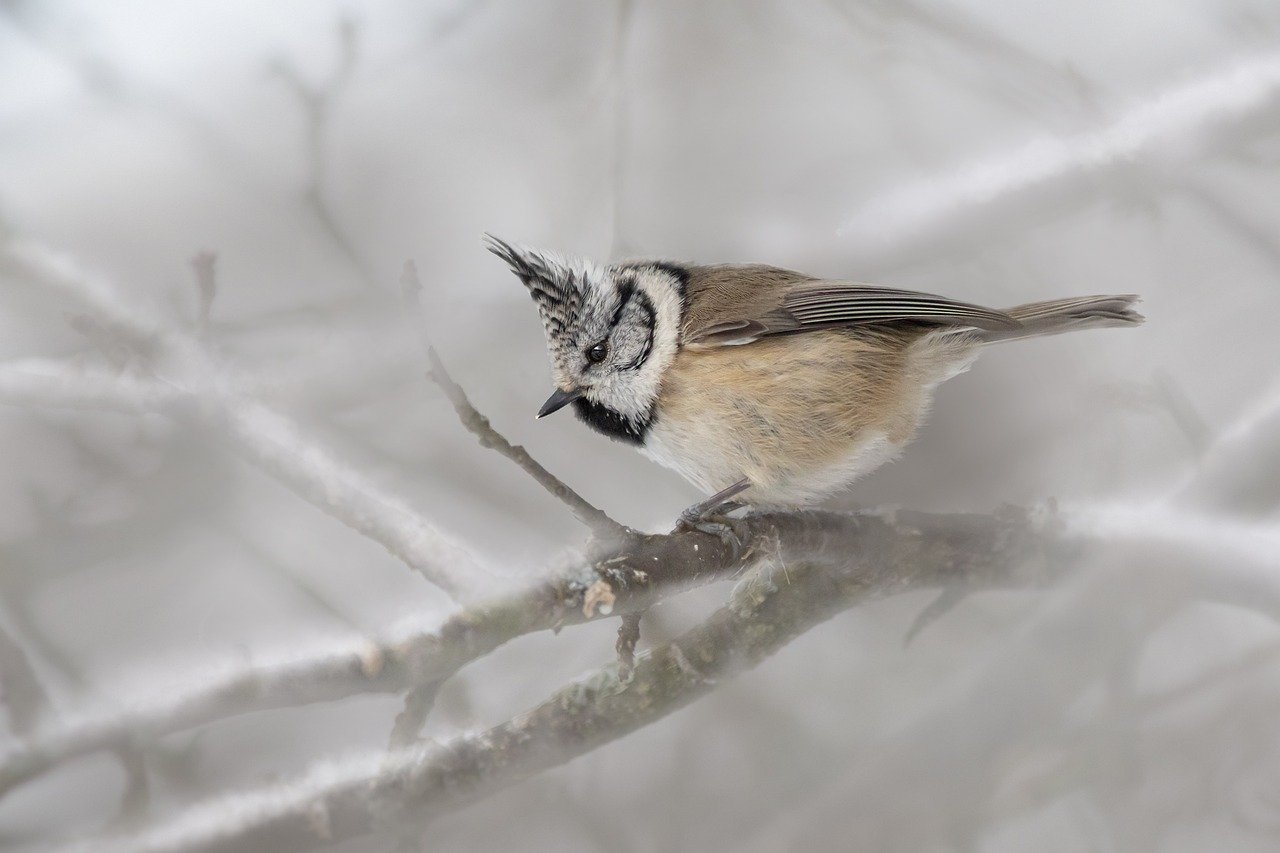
632,392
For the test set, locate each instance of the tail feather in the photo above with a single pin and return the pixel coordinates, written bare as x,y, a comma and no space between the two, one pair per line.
1069,315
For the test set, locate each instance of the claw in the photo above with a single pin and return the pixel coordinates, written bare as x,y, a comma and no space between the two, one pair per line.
718,526
711,517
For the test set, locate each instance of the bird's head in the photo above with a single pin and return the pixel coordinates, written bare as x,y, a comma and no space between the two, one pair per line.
611,331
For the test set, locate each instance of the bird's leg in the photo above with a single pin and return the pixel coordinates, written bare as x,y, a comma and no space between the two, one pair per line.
718,504
709,516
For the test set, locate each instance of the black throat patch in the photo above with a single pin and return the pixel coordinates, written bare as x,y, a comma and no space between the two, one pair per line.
608,422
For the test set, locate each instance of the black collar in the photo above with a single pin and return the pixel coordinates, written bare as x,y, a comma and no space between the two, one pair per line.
616,426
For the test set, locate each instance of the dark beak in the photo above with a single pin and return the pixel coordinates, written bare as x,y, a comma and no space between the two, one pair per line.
558,401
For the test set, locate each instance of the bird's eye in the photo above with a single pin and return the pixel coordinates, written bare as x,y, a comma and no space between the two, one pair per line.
597,352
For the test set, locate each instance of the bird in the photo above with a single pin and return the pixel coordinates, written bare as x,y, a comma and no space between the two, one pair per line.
762,386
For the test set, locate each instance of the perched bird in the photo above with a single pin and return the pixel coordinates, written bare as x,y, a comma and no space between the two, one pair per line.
761,382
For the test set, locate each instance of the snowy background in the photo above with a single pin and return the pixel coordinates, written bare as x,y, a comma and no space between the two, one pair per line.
998,152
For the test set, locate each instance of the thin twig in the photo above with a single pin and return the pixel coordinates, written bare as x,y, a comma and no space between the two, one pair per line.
1239,473
418,704
318,102
204,266
595,519
628,637
20,687
136,800
1170,394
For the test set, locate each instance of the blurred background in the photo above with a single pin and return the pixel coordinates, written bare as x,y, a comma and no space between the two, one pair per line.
998,152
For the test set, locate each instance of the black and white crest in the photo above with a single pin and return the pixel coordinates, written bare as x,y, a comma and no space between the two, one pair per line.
611,331
556,286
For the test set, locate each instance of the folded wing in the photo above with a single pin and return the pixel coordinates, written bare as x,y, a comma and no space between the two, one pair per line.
740,305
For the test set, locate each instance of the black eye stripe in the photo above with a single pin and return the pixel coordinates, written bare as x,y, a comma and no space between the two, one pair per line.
651,322
626,290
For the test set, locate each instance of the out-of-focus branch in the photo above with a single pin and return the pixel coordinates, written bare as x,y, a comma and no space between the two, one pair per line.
903,550
318,102
479,426
26,699
945,210
1240,471
20,688
1156,562
273,443
268,439
870,557
1103,741
418,703
205,268
1162,560
1170,395
46,382
1022,78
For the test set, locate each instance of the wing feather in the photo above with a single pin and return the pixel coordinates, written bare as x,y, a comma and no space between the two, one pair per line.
736,305
853,304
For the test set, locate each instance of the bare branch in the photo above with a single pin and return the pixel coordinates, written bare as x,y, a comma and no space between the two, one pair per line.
204,267
923,549
417,707
20,687
318,102
912,551
273,442
1155,561
355,798
45,382
596,520
266,438
944,210
1170,394
1240,471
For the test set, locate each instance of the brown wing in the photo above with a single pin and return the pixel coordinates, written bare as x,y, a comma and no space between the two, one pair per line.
730,305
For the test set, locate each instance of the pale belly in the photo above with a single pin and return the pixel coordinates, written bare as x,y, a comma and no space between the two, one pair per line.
799,417
711,469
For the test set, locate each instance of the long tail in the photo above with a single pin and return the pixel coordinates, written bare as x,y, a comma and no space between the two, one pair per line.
1068,315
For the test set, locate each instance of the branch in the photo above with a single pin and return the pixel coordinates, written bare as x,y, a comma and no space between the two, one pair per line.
1041,671
1240,471
318,102
273,443
595,520
46,382
923,549
340,802
203,390
944,210
20,687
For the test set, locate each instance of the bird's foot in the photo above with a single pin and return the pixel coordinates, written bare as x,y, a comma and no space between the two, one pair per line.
720,526
711,516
